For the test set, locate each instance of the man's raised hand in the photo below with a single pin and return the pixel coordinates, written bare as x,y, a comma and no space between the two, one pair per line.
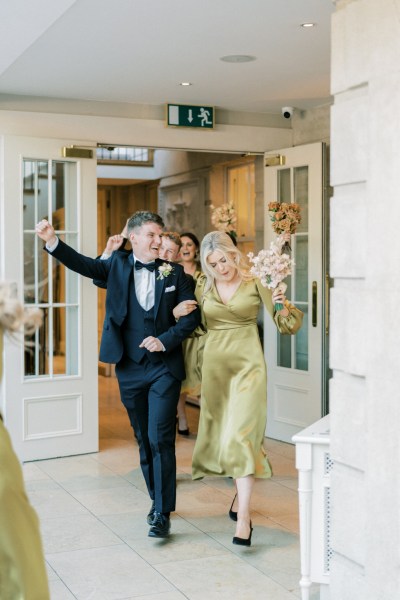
113,243
46,232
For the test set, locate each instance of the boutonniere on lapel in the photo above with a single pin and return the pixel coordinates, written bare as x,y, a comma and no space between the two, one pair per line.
164,270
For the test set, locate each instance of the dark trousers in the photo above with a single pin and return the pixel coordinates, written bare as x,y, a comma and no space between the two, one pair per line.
150,395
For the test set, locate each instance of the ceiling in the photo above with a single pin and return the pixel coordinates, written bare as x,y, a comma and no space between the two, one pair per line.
138,51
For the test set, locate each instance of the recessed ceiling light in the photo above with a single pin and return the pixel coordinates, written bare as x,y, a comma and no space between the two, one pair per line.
308,25
238,58
186,83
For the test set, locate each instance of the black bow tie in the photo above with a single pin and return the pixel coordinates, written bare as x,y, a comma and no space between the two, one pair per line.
149,266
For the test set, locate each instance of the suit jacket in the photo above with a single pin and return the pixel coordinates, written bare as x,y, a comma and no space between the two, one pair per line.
169,291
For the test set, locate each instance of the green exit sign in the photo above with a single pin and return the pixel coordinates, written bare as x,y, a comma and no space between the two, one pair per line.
184,115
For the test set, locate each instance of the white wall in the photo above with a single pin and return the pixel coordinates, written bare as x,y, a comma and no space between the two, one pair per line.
311,125
142,132
365,251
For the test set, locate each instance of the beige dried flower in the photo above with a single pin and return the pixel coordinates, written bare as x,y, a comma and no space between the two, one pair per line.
13,316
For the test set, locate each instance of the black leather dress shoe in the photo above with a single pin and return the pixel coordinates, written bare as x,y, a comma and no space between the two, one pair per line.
160,526
150,516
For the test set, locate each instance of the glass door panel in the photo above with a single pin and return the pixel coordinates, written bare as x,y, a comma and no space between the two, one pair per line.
49,192
300,194
284,186
292,186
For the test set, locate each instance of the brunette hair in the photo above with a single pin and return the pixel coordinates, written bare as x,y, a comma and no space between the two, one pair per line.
192,237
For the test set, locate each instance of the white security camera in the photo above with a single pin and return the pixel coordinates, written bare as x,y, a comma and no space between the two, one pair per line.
287,112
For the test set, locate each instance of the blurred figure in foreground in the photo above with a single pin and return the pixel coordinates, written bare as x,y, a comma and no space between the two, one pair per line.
22,566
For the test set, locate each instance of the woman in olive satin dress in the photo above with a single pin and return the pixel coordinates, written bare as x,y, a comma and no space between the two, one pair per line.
234,383
22,566
192,345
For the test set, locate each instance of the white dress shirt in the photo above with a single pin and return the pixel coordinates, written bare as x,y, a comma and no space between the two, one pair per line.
145,283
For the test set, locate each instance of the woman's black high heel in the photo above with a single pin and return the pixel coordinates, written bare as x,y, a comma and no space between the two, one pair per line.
182,431
243,541
232,513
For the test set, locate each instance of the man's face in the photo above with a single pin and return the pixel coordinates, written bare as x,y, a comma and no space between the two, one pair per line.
146,241
168,249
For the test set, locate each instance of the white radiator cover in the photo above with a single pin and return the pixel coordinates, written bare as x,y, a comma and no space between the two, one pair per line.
314,464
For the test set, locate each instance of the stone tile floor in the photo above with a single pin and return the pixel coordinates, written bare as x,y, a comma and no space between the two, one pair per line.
93,507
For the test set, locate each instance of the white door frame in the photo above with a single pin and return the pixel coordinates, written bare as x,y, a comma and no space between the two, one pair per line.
296,398
49,416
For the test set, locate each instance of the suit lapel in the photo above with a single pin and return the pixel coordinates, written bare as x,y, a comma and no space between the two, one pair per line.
159,288
127,269
118,293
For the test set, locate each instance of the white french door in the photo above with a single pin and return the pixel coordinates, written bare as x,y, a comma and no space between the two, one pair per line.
295,363
49,395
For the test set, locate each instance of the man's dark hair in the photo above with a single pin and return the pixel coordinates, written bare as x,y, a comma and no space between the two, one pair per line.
141,217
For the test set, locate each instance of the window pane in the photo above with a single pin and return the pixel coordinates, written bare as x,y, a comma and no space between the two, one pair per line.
71,352
300,182
35,270
301,268
58,196
29,267
65,281
43,191
284,193
54,347
59,341
125,154
284,351
36,354
288,292
42,276
65,284
29,192
301,341
65,324
31,355
71,206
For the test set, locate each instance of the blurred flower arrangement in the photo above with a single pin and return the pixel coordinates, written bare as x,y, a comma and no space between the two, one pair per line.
224,218
272,267
284,217
13,315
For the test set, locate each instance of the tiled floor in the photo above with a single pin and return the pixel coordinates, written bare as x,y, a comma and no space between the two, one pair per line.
93,510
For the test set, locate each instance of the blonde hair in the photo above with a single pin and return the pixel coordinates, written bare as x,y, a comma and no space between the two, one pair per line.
13,315
221,241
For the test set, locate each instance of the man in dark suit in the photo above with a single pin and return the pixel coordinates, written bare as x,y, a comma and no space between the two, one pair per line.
141,336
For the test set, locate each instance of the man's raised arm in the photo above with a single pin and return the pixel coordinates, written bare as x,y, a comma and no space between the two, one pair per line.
68,256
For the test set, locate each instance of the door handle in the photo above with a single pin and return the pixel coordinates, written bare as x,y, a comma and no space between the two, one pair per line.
327,304
314,304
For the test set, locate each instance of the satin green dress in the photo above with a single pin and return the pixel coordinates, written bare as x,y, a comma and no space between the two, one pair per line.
192,353
23,573
234,382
